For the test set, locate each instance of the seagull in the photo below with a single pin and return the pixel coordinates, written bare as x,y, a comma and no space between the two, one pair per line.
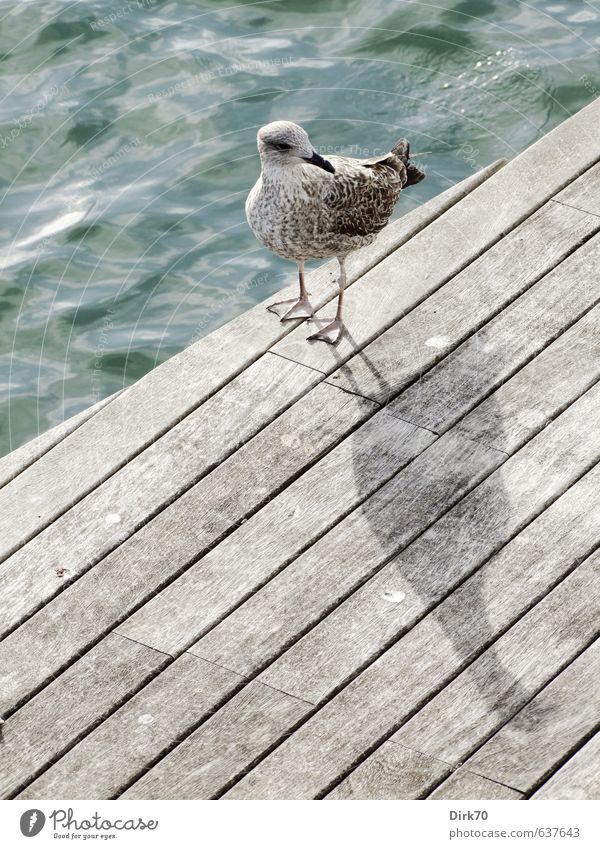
305,207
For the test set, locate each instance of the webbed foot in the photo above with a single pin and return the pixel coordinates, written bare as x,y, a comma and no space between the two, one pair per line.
329,331
296,308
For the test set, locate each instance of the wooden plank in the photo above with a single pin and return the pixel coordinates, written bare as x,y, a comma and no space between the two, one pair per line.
214,754
530,399
579,778
307,509
129,576
110,514
503,345
353,550
111,756
424,572
584,195
414,220
66,710
544,732
430,331
376,702
391,772
397,284
19,459
463,784
510,672
146,410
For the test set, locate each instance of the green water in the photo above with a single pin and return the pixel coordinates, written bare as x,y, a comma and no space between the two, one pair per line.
127,139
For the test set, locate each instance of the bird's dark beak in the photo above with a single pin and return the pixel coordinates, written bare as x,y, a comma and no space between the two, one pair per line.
315,159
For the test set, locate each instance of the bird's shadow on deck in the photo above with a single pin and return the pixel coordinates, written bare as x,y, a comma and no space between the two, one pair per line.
427,572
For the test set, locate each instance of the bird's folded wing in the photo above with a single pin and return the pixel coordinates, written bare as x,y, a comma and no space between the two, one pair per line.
361,198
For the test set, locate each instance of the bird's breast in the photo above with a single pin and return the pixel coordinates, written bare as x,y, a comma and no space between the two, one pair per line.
277,216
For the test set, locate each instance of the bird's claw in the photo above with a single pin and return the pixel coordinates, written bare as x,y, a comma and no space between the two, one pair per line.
296,308
329,331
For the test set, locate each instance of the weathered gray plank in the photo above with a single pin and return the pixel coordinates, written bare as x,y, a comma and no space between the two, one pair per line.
389,690
316,582
131,574
409,224
530,399
207,760
579,778
542,734
463,784
391,772
450,315
462,539
511,671
583,194
159,400
289,523
431,258
118,750
14,463
66,709
495,352
149,482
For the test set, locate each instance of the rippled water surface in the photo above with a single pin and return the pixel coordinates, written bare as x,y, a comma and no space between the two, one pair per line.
127,137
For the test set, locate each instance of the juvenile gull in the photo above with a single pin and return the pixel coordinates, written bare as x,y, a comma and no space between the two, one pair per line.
302,212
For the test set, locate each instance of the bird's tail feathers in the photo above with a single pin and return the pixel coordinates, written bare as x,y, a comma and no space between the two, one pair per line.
413,174
402,149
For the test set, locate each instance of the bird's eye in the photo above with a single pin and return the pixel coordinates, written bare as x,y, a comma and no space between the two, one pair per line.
282,146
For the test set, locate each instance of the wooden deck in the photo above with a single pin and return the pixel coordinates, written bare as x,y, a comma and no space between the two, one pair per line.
275,569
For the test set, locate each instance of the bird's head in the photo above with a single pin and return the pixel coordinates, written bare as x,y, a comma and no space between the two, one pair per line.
283,144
